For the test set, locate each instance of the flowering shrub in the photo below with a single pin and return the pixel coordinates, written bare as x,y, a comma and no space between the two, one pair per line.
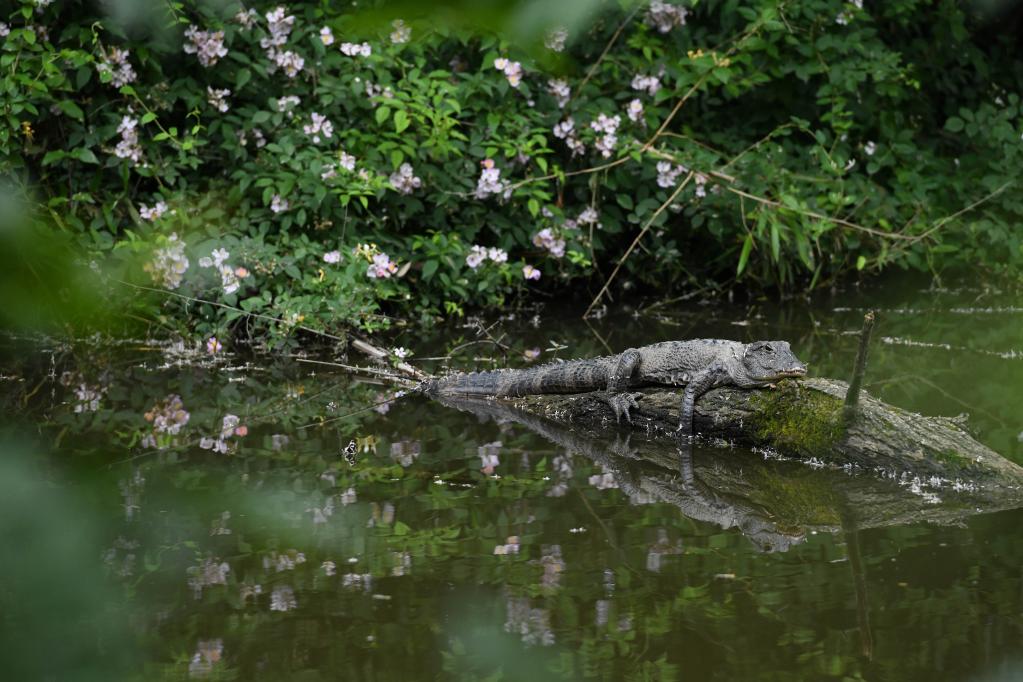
346,167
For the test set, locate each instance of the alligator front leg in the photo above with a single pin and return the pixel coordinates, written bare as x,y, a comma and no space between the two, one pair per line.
618,397
697,386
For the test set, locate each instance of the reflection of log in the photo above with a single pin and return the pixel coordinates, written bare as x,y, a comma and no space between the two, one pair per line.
801,419
774,504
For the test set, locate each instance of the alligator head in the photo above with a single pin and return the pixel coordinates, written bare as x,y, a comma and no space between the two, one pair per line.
767,361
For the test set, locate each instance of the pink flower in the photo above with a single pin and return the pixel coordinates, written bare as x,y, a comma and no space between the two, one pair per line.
213,346
241,430
529,272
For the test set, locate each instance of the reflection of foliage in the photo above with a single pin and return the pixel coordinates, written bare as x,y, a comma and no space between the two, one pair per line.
426,594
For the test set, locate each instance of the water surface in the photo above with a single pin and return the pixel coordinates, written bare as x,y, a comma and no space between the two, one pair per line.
168,516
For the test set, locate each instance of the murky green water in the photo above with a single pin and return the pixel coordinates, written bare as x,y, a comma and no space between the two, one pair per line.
159,541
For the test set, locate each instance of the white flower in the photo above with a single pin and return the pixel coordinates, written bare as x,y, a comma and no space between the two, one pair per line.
667,174
169,263
113,61
560,90
319,125
649,83
477,254
529,272
609,126
326,35
153,213
589,216
128,147
665,16
287,104
545,238
220,256
290,62
512,70
635,110
356,49
208,46
5,30
247,18
404,179
217,99
278,204
869,148
489,181
401,32
400,352
332,257
497,255
382,267
555,39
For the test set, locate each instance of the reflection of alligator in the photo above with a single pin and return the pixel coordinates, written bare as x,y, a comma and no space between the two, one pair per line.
699,365
639,479
773,503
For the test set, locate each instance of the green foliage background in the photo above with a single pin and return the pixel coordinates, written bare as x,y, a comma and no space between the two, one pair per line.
824,137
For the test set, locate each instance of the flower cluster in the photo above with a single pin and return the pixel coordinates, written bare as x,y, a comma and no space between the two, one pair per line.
649,83
319,126
529,272
218,98
87,397
609,126
169,263
283,598
345,161
208,46
326,36
356,49
382,267
154,213
206,573
635,110
511,546
279,204
512,70
114,62
332,257
168,417
279,24
5,30
546,239
229,276
128,147
404,179
560,90
401,33
589,216
229,427
701,185
665,16
287,104
566,131
477,254
257,135
247,18
667,173
489,181
489,456
555,39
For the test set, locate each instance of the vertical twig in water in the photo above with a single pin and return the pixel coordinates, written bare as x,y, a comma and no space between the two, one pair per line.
852,396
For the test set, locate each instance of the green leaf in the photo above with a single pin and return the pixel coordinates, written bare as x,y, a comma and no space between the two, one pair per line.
382,114
244,76
534,207
71,109
775,241
625,201
148,117
53,157
954,124
861,262
401,120
747,246
261,117
429,267
85,155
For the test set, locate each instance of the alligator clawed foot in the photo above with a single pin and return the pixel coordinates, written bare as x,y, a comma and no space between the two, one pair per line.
620,404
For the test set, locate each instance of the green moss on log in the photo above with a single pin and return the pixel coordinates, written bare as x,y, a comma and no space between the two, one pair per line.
797,420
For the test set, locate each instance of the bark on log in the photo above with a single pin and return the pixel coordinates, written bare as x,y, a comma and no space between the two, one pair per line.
801,419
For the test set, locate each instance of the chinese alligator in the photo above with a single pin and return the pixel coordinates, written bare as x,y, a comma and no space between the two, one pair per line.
699,365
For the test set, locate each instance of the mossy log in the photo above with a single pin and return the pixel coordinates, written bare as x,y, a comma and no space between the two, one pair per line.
802,419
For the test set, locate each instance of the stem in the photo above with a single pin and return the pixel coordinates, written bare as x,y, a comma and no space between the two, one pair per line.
852,396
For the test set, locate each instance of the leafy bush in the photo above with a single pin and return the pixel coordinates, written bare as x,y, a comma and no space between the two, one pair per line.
357,164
